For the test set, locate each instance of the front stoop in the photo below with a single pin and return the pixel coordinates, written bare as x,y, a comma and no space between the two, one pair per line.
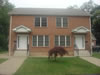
82,53
20,53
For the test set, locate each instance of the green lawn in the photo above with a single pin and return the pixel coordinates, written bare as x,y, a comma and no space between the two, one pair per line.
96,54
3,51
63,66
2,60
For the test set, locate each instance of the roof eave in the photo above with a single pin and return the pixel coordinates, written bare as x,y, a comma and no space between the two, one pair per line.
44,15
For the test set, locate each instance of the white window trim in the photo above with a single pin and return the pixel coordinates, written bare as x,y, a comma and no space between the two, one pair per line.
62,22
37,40
58,40
41,21
62,26
43,41
65,40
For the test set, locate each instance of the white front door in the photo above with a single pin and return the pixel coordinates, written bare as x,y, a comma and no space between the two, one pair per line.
79,41
22,41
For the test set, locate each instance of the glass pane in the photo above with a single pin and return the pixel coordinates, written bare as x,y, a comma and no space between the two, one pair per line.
58,21
44,21
37,21
46,41
56,41
67,40
40,40
62,40
34,41
64,22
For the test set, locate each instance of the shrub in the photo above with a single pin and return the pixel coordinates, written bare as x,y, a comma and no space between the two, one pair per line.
54,52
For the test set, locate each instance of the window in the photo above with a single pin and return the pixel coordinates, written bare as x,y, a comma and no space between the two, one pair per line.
62,40
46,41
40,40
41,21
61,22
34,40
37,21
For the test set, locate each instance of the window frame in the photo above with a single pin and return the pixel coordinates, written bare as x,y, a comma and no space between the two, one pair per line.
65,40
62,25
43,41
41,21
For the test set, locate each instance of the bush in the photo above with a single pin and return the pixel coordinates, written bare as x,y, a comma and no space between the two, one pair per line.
54,52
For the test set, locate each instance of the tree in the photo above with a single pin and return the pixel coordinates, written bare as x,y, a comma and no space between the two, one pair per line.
5,7
54,52
96,23
73,7
88,6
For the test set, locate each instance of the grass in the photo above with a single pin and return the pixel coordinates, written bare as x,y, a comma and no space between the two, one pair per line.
2,60
96,54
3,51
63,66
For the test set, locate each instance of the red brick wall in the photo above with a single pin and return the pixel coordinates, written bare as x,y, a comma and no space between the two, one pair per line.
51,30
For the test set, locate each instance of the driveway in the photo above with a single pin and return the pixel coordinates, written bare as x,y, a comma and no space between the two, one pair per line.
10,66
92,60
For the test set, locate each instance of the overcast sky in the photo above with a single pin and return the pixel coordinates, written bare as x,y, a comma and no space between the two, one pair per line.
49,3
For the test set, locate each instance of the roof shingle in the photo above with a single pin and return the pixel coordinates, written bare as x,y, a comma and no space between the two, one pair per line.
48,11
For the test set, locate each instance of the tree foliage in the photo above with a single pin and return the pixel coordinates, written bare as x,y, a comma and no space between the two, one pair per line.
5,7
96,23
94,10
73,7
88,6
54,52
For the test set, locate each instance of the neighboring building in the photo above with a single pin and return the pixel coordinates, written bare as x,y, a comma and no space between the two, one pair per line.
36,30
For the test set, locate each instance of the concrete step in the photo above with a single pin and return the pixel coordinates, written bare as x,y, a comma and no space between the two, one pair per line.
82,53
20,53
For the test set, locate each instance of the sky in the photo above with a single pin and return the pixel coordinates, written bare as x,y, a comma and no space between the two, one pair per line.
48,3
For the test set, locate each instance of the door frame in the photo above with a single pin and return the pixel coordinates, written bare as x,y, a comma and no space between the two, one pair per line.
82,41
18,41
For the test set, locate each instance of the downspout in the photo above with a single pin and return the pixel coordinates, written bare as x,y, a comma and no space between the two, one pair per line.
90,36
10,35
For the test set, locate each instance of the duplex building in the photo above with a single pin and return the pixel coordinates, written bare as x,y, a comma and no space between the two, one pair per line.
34,31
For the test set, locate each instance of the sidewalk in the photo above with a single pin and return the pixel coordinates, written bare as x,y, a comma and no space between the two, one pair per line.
4,55
10,66
92,60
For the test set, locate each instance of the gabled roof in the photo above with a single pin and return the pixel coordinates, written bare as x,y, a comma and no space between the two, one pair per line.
48,11
22,29
80,29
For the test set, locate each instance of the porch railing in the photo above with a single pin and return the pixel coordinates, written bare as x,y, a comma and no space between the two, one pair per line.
76,49
27,48
87,48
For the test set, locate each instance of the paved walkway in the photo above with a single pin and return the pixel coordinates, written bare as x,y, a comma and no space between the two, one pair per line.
10,66
5,55
92,60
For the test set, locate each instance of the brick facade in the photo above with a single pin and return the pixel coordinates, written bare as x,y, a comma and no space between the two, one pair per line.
51,31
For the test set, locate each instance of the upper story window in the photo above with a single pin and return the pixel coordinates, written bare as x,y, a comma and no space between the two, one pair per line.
41,21
61,22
